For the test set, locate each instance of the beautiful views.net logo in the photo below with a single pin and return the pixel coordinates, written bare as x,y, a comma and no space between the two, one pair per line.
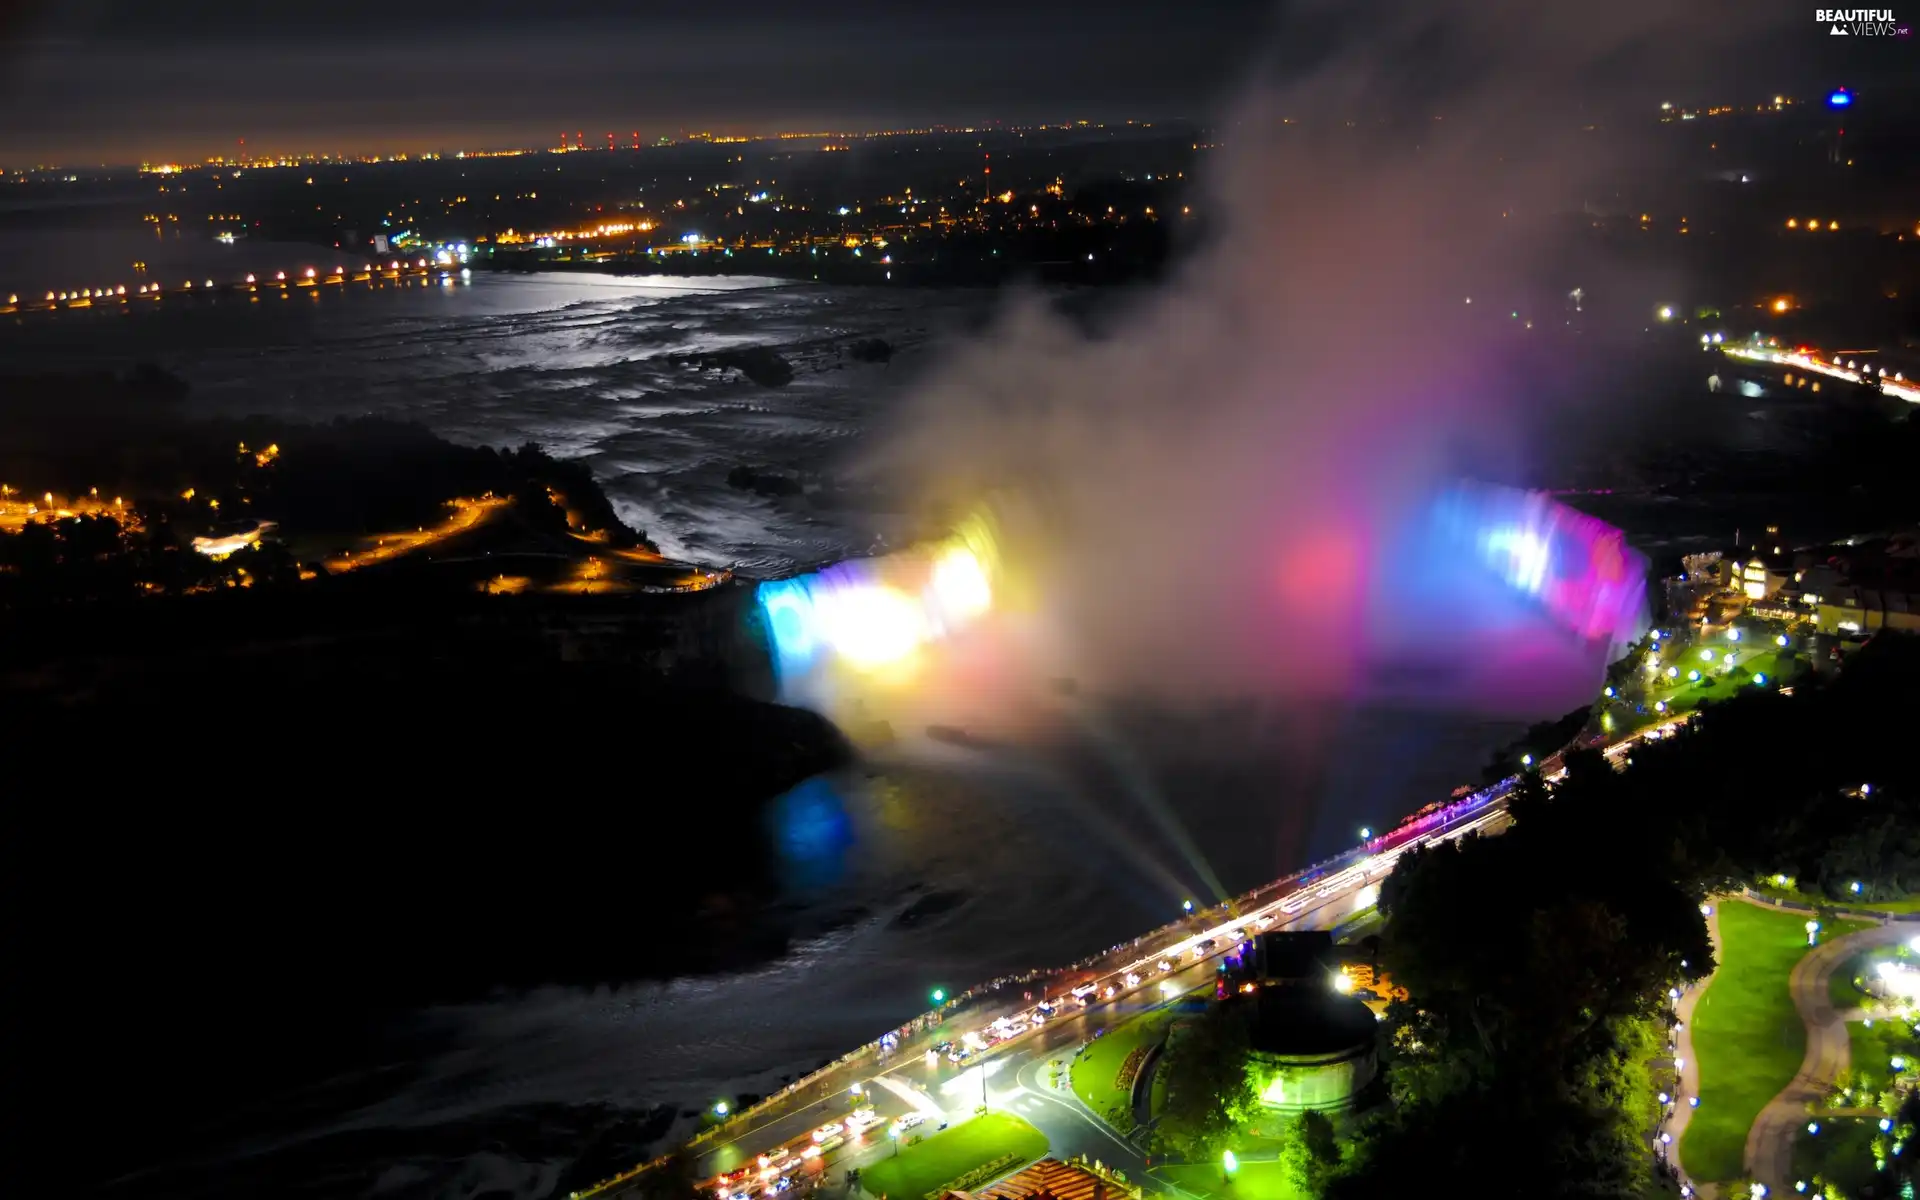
1860,22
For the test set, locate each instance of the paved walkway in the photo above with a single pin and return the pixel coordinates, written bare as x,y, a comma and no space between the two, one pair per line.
1688,1083
1769,1156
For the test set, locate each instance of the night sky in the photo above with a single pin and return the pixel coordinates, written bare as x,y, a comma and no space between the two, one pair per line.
87,81
120,80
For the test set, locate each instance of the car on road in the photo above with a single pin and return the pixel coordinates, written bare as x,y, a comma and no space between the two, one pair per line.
1166,964
1263,922
1085,992
826,1131
1202,949
773,1157
1132,980
942,1047
908,1122
832,1143
861,1118
959,1054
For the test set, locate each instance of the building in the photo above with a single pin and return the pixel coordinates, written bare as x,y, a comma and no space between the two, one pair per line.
1313,1042
1861,612
1758,581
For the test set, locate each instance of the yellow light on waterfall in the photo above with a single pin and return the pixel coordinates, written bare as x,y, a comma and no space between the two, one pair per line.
872,626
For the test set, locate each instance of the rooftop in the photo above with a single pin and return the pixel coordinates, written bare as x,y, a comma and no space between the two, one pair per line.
1306,1021
1048,1179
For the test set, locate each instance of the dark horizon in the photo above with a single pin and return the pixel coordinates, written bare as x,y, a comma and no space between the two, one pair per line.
117,81
161,85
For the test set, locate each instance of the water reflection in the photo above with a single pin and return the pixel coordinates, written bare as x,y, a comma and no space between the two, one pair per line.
812,833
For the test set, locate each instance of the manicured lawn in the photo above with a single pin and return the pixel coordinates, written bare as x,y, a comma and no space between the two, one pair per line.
1840,1154
1871,1050
1747,1035
1096,1072
1841,992
945,1157
1253,1181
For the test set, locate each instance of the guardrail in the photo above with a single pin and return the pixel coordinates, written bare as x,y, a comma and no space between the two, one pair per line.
1840,910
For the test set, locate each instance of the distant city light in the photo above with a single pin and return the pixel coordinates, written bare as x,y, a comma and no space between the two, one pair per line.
1839,98
1666,312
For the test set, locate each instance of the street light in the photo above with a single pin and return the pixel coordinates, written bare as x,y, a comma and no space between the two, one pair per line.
1526,760
1228,1162
939,996
1187,905
1813,932
720,1108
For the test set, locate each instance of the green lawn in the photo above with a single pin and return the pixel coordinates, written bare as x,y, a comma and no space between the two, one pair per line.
1841,992
1098,1068
1684,695
1840,1154
1368,920
1871,1050
1747,1035
1253,1181
946,1157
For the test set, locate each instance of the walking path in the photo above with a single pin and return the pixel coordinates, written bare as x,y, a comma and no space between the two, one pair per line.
1769,1157
1687,1083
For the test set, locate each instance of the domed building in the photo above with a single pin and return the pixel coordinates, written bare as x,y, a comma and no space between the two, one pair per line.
1312,1049
1313,1044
